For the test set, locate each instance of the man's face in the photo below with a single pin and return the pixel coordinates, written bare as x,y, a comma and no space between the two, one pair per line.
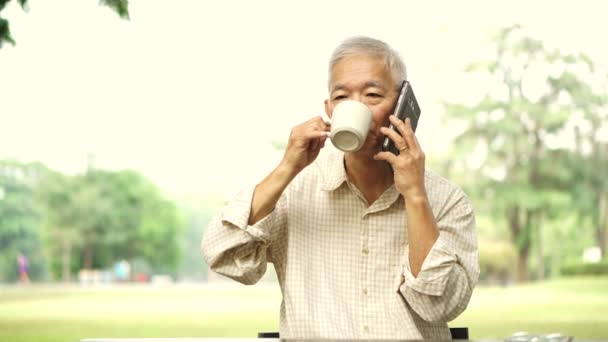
366,79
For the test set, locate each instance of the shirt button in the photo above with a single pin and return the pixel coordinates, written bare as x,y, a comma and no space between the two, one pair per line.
365,328
364,291
365,251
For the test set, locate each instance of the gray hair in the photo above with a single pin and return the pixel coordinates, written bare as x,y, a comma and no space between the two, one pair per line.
373,47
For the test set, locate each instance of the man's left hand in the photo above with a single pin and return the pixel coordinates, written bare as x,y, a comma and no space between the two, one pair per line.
408,166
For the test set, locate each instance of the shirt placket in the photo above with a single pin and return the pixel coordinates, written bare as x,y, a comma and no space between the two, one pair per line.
366,295
365,281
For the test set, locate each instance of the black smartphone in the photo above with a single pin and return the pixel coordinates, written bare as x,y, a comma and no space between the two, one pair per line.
406,107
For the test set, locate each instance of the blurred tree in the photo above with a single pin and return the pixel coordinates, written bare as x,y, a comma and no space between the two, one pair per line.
104,216
119,6
197,213
496,260
159,228
509,140
20,219
590,160
60,227
87,221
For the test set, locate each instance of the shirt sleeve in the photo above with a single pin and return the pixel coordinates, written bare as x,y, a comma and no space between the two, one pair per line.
450,271
236,249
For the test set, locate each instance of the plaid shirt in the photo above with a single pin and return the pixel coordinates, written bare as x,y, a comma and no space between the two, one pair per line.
342,265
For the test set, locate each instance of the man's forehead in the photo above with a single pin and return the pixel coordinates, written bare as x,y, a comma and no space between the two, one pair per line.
362,71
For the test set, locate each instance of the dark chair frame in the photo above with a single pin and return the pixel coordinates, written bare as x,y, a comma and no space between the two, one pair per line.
459,333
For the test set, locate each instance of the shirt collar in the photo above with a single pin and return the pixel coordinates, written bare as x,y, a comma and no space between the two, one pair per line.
334,174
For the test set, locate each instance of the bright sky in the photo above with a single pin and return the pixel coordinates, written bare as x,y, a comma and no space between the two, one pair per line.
192,93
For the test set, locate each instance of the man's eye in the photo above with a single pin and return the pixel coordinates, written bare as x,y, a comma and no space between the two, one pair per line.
374,95
339,97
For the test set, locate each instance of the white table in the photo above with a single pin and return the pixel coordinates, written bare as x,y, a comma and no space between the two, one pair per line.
178,339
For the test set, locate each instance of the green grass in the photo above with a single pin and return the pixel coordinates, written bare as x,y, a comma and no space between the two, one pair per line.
577,307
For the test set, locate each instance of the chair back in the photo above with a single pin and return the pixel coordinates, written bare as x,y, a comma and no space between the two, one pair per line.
460,333
272,334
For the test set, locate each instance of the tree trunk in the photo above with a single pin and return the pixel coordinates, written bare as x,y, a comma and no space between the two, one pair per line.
603,240
540,270
65,260
523,252
88,256
522,266
533,216
520,238
601,230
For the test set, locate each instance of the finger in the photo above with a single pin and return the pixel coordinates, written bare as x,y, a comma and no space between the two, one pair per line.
326,127
405,128
318,128
409,135
313,145
408,123
320,143
386,156
320,123
398,124
315,119
394,136
316,141
314,134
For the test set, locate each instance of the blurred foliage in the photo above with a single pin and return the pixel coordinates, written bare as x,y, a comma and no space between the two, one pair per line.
197,213
19,220
121,7
585,268
65,223
496,261
519,167
108,216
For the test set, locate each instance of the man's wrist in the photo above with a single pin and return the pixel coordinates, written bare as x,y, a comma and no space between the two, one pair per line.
284,173
418,197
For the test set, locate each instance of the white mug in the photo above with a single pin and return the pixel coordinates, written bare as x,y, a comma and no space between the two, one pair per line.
350,123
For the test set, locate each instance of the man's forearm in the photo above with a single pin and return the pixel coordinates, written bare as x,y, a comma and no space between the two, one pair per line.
422,231
268,192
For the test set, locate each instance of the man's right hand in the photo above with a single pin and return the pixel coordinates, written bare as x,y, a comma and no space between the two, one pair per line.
305,142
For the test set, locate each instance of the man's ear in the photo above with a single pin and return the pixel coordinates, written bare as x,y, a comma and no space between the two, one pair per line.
327,111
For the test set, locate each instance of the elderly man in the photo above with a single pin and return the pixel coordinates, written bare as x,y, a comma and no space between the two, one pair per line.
366,244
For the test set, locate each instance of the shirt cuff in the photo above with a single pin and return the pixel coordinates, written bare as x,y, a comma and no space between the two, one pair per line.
238,211
435,270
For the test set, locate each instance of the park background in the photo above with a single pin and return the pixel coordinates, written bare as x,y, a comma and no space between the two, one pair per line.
124,129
